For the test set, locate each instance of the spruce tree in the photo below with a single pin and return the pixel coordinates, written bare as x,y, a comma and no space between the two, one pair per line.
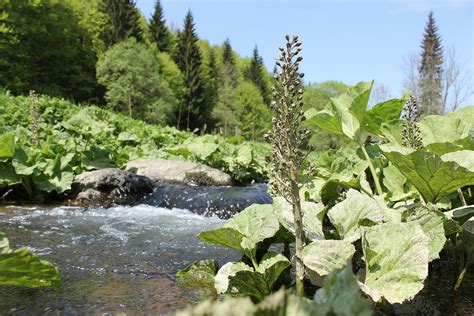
192,113
254,73
123,21
228,63
430,70
159,31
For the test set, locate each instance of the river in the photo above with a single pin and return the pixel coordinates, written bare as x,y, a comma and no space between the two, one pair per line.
120,259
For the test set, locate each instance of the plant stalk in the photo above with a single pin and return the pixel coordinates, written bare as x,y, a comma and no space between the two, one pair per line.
378,188
461,197
299,238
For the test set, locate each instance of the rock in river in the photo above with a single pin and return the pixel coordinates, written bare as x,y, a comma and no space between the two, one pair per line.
178,172
110,185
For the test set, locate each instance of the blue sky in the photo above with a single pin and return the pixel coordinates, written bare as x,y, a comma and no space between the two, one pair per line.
345,40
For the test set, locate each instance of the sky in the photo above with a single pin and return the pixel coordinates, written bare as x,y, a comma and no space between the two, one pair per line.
343,40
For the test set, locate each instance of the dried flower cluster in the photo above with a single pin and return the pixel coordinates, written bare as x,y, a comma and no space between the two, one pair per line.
288,139
34,115
411,132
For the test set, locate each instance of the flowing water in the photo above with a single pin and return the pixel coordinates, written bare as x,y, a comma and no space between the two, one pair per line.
121,259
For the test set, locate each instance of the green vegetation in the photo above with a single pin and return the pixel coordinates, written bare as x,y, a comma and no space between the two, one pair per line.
22,268
44,142
382,209
105,52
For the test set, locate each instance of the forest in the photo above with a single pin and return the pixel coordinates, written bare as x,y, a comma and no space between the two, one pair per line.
147,170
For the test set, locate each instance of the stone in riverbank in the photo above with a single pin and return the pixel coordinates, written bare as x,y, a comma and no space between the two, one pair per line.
110,185
178,172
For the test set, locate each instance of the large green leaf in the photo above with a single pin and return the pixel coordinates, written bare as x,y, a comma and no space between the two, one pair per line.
244,231
326,256
226,236
325,120
395,181
8,175
256,223
221,280
284,303
250,283
347,215
7,145
458,131
201,271
240,278
396,257
341,296
271,266
313,214
461,214
59,183
464,158
432,223
433,177
381,113
230,306
23,268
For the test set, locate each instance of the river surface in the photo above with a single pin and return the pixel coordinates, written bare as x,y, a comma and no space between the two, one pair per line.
116,260
123,260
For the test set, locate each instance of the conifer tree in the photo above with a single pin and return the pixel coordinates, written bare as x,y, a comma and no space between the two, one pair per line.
192,113
430,70
159,31
254,73
123,21
228,63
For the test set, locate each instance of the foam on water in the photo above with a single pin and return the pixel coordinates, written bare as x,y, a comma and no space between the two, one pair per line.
96,248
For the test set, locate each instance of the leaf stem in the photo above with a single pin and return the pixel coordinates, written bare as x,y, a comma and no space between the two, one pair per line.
378,188
461,197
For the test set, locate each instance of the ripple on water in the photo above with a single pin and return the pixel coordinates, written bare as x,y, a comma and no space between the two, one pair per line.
120,259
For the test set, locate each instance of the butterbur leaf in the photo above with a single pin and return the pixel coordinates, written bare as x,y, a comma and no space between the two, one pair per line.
396,257
326,256
203,271
458,131
227,237
7,145
395,181
23,268
250,283
256,223
221,280
313,214
381,113
461,214
284,303
246,230
433,177
346,215
341,296
230,306
464,158
244,155
271,266
325,120
8,175
432,224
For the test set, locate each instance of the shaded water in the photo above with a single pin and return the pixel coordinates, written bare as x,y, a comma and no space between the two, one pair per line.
121,259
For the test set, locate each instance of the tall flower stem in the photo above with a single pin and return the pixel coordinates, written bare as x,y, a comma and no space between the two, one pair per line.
287,139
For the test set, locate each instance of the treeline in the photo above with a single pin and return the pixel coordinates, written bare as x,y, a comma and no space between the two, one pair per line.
106,52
